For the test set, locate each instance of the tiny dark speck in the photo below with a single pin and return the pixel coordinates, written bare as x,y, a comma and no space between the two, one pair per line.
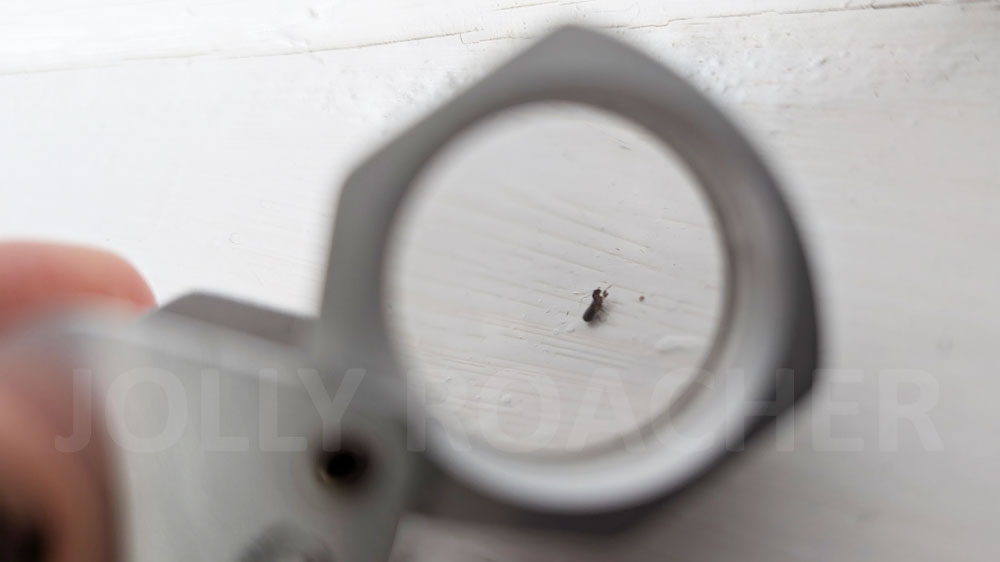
642,298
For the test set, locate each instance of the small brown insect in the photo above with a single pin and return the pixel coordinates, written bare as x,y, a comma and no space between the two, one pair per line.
642,298
596,305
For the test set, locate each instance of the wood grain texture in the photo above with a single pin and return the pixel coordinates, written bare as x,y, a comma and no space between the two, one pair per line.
512,230
205,141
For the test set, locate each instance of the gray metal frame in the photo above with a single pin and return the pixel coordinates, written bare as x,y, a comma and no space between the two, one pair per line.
766,349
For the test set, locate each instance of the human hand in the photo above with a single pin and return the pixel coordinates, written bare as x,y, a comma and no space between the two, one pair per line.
53,505
38,278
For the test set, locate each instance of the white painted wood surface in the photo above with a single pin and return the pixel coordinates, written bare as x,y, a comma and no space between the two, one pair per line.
512,230
205,141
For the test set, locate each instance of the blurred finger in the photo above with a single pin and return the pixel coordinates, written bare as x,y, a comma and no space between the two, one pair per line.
38,277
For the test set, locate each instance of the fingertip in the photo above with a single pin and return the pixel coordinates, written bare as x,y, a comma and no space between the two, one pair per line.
124,282
37,275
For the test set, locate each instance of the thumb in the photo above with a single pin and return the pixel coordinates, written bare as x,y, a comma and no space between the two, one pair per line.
37,277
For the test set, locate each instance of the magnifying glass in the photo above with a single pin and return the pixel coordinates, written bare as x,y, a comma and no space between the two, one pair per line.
237,432
765,349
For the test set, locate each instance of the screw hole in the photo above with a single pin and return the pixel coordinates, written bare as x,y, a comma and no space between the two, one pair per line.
346,465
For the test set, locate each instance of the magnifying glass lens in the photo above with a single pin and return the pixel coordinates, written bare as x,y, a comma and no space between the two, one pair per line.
555,281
